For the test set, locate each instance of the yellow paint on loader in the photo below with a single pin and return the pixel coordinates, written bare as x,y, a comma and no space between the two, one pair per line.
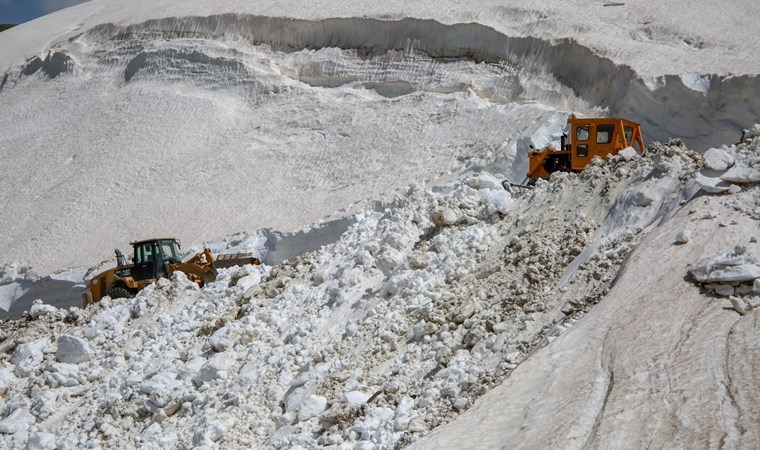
153,259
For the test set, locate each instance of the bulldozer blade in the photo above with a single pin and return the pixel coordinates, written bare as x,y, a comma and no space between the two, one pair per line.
506,184
234,259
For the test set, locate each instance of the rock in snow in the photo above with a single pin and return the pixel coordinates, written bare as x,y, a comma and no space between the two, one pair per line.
683,237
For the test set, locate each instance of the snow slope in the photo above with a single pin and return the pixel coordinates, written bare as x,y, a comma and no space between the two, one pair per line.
609,309
270,105
657,364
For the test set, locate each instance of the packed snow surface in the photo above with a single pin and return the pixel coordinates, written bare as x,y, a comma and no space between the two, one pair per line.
405,297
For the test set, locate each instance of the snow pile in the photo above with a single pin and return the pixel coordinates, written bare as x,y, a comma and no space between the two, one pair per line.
725,170
414,312
15,281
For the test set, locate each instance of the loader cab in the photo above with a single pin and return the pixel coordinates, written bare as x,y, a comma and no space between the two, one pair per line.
151,256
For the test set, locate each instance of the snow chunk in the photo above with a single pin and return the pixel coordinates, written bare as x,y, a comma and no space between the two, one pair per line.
19,420
444,217
213,430
421,329
72,350
718,159
313,406
356,397
731,267
484,181
39,309
741,174
63,374
696,82
249,281
224,338
628,153
753,132
215,368
27,356
42,441
495,201
739,305
6,379
711,185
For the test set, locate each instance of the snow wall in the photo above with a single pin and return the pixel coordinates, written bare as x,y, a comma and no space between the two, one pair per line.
702,109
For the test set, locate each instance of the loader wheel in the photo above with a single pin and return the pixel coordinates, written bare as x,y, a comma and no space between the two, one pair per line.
119,292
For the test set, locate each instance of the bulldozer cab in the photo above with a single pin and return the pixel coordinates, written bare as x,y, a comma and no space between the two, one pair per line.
588,137
150,258
600,137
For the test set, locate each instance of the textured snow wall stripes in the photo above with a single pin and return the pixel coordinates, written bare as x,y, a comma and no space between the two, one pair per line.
706,113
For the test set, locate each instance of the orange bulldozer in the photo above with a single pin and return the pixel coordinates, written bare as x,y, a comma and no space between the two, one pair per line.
589,137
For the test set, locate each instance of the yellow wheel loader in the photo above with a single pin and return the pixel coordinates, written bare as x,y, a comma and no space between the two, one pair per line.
153,259
589,137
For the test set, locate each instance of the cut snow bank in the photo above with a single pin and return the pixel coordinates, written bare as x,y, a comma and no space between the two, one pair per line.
670,105
256,123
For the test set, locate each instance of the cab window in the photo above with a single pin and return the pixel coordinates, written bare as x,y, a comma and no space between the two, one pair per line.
170,251
144,253
604,134
628,134
581,133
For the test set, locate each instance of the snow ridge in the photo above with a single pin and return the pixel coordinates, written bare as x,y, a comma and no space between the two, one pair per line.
597,80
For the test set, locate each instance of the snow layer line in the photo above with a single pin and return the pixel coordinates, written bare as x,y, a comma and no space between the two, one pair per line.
671,105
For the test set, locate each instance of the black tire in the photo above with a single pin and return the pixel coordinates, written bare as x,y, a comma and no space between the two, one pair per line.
120,292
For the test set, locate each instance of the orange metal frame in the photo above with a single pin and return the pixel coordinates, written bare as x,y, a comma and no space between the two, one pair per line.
588,138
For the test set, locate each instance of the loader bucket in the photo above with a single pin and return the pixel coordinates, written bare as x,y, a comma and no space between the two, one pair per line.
234,259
